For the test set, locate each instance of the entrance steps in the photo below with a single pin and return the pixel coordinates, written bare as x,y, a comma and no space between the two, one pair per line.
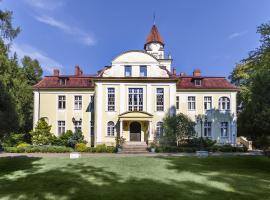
134,147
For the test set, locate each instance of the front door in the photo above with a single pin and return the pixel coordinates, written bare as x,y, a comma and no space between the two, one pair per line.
135,131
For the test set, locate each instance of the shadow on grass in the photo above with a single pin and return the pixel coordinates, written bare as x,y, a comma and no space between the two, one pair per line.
85,181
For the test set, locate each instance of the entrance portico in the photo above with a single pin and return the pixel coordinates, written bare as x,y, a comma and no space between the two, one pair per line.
136,126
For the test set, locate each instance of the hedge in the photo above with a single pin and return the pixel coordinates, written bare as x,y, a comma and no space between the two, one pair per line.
38,149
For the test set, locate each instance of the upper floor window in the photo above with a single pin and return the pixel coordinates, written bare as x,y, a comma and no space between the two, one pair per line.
61,127
111,99
224,103
224,129
143,71
159,129
198,82
191,103
160,99
177,102
78,126
77,102
128,70
207,129
61,102
63,81
92,128
110,128
207,103
135,99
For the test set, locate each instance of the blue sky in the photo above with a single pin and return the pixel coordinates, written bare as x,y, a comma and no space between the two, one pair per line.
207,34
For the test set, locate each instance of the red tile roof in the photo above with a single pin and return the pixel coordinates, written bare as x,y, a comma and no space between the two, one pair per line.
187,82
154,36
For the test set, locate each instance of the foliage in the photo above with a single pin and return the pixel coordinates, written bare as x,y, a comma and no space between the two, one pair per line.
38,149
7,31
42,135
177,128
81,147
197,142
120,141
14,139
63,139
263,142
77,137
252,75
23,145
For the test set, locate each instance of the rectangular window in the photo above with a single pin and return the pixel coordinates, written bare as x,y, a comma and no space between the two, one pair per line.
61,102
135,99
77,102
77,126
207,103
177,102
128,71
61,127
191,103
143,71
92,103
111,99
198,82
207,129
160,99
92,128
224,129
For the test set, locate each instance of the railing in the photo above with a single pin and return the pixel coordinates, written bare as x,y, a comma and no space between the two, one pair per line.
244,141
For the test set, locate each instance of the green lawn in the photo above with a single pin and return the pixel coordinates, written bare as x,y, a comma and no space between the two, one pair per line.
130,178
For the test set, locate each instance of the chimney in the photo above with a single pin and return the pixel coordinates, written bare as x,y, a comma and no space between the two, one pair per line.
78,71
197,72
174,72
56,72
182,74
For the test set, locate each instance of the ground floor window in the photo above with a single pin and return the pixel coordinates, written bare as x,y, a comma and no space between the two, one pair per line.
224,129
61,127
159,129
77,126
207,129
110,128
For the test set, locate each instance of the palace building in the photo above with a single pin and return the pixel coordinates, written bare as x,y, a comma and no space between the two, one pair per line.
131,97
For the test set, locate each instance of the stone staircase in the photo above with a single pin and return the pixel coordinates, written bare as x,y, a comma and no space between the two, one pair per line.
134,147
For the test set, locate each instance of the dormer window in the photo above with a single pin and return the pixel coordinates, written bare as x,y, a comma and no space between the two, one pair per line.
143,71
63,81
128,70
198,82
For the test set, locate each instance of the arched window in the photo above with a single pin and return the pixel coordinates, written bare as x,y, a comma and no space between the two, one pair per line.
110,128
224,103
159,129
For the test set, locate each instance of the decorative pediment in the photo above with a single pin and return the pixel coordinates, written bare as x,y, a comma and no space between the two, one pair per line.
135,114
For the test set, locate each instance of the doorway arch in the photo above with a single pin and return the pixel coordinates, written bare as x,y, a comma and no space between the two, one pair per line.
135,131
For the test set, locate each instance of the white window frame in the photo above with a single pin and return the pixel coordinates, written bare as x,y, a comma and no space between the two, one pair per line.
77,102
61,102
224,129
224,103
160,99
143,67
191,103
159,129
177,103
61,127
77,125
130,67
207,129
111,99
207,102
196,81
135,93
110,128
92,128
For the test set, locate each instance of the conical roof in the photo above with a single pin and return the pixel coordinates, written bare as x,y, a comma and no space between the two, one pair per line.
154,36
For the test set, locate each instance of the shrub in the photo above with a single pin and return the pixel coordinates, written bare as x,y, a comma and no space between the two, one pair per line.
23,145
77,137
120,141
42,135
13,139
65,137
226,148
38,149
81,147
110,149
101,148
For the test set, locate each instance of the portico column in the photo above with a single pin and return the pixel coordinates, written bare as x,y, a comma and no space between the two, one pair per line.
151,135
121,128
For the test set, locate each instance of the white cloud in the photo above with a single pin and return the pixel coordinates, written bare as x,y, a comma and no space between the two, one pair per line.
237,34
45,4
83,36
47,63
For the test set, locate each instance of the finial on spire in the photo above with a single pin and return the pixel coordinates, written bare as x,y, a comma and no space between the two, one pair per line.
154,18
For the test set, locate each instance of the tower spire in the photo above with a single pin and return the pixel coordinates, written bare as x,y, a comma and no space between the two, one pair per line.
154,18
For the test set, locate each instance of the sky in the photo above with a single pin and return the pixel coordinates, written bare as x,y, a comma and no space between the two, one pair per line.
212,35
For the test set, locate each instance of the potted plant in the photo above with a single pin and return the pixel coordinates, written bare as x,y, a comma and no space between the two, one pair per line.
153,147
119,142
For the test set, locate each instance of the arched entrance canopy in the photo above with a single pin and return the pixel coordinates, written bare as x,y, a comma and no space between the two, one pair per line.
136,116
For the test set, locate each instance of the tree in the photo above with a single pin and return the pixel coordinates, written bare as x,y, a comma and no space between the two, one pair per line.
176,129
252,75
42,135
32,70
7,31
76,138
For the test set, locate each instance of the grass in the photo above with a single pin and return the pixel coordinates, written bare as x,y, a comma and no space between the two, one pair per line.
135,178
